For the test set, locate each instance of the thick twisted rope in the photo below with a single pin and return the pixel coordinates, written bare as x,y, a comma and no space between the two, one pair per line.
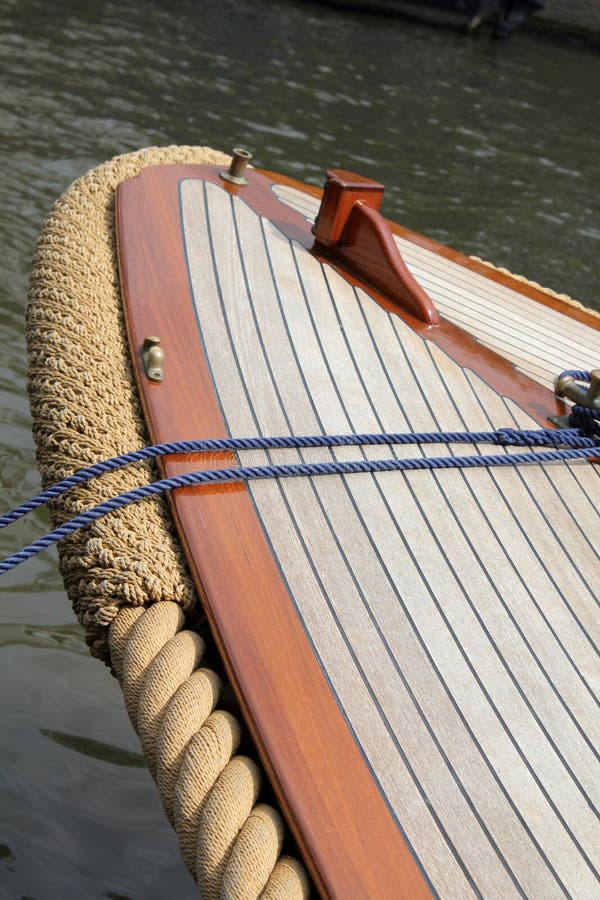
229,840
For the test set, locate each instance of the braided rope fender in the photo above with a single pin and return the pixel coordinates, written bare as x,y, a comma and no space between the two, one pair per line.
126,575
564,298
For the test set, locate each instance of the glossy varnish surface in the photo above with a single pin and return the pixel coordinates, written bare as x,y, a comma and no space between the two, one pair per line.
340,820
349,229
453,613
539,334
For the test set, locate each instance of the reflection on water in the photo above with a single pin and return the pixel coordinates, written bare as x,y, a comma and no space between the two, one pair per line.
489,147
96,749
66,637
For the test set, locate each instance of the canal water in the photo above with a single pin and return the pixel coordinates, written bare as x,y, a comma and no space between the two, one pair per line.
490,147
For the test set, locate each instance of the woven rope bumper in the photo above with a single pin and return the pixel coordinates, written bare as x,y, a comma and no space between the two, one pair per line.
126,575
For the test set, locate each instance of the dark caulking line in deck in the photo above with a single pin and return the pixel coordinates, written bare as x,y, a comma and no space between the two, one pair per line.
469,303
473,280
582,494
500,545
426,401
476,556
499,325
553,359
521,632
484,569
382,637
274,555
364,599
242,381
310,561
195,304
520,336
505,726
452,511
550,527
521,753
467,290
497,296
340,627
484,515
445,267
295,199
213,379
519,347
425,583
387,574
493,475
575,524
307,554
407,546
441,549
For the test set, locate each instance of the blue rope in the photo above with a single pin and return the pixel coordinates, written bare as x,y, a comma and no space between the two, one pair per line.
249,473
583,418
577,374
503,437
581,442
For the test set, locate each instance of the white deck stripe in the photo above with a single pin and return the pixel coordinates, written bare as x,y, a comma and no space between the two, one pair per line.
476,744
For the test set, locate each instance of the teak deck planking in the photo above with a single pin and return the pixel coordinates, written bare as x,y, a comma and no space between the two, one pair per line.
250,579
317,771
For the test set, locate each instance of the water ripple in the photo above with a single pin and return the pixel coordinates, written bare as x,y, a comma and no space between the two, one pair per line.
490,147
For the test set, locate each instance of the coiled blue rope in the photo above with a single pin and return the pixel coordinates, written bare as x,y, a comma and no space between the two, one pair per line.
569,443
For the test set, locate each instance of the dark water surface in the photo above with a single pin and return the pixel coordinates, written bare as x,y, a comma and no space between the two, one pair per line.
489,147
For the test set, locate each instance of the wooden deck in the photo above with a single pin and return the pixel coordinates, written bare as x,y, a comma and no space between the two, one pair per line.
540,341
453,614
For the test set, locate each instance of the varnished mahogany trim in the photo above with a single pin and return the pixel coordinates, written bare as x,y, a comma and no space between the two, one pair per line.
467,262
342,190
350,230
344,829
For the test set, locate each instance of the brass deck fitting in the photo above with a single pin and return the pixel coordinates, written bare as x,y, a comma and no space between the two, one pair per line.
590,397
239,160
153,357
